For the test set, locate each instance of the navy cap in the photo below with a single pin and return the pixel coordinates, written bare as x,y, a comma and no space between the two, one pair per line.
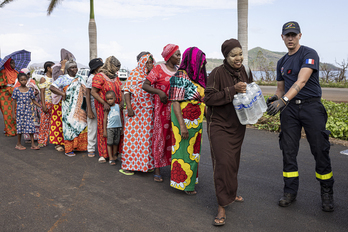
291,26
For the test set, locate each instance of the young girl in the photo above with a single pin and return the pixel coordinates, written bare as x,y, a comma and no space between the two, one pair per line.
46,99
23,96
112,126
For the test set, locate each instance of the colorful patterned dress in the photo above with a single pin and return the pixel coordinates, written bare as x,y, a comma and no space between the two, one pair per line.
186,152
45,118
162,129
137,148
24,120
104,84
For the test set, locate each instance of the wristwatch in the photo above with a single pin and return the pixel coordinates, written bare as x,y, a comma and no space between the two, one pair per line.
286,99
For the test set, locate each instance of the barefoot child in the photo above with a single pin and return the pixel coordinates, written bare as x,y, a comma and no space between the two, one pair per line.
112,126
23,96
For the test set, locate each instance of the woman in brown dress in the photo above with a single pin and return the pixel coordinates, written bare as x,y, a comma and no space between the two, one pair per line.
225,132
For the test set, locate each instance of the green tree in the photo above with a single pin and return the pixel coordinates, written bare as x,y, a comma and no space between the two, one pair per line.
92,27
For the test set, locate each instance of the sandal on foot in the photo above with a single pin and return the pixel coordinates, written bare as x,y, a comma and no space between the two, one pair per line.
35,148
126,172
219,223
20,148
150,170
191,193
59,148
112,162
91,154
101,160
41,145
70,154
157,178
239,199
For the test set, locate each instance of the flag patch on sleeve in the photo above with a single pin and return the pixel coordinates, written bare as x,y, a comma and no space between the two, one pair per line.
309,61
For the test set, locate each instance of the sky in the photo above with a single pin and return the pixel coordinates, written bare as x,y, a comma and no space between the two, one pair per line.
127,27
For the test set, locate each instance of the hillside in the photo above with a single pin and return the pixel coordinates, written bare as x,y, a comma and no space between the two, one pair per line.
257,57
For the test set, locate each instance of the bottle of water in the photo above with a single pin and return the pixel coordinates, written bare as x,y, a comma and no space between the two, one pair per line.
240,110
249,108
260,97
253,95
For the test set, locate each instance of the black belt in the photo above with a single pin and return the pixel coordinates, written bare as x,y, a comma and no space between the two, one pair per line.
301,101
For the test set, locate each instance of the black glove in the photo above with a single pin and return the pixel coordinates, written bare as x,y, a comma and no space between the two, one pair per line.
276,106
271,99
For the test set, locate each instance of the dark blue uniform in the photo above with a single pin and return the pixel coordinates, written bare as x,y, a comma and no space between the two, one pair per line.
307,111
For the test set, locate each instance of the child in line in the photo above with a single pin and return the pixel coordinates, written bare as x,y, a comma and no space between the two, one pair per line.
46,99
23,97
113,128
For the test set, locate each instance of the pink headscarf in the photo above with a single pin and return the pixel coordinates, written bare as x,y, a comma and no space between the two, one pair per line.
169,50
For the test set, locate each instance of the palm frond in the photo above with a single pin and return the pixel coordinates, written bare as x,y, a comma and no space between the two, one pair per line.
52,5
5,2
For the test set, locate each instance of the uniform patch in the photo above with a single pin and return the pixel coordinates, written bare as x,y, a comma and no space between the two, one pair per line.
282,70
309,61
289,71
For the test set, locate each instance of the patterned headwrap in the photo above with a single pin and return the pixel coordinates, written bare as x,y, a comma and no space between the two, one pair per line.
10,72
192,61
110,67
169,50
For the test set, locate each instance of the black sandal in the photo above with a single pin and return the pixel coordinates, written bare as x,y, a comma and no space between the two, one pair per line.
219,223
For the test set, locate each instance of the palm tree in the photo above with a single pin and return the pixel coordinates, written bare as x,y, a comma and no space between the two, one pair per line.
92,27
243,27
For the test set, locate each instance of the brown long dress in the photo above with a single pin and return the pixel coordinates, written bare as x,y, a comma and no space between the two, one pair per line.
225,132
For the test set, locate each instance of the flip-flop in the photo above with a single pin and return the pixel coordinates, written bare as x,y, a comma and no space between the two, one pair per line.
150,170
35,148
20,148
126,173
219,223
159,178
191,193
112,162
91,154
239,199
70,154
59,148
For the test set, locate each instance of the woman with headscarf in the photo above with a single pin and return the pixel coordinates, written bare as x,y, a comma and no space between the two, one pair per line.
187,93
106,80
137,146
157,82
74,118
225,132
8,77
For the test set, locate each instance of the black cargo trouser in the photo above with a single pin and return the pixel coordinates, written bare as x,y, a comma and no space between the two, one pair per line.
312,116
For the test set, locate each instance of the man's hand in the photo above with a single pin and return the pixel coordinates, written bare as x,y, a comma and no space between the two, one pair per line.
271,99
276,106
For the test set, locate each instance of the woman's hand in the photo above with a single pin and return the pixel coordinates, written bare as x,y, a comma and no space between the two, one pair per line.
14,116
163,97
130,112
90,114
106,106
44,108
240,87
64,97
184,132
105,135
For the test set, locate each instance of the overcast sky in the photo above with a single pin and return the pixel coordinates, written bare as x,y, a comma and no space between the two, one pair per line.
126,27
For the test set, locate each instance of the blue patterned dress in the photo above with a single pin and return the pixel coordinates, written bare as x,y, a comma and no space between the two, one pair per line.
25,120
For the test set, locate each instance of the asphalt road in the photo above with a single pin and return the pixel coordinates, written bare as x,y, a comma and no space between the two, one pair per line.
331,94
47,191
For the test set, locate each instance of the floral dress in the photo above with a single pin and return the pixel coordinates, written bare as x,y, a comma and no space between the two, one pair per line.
25,121
186,152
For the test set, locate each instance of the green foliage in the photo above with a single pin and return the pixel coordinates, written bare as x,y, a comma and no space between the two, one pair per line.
337,121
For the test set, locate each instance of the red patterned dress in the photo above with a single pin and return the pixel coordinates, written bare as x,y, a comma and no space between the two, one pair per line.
162,129
138,130
104,84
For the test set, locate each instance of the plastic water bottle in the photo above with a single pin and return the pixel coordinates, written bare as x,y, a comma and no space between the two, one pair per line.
240,110
253,95
260,97
249,108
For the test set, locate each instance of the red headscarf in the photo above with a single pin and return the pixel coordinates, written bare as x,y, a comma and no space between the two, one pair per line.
169,50
10,72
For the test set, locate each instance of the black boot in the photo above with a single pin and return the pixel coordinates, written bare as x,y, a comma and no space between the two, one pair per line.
287,199
327,201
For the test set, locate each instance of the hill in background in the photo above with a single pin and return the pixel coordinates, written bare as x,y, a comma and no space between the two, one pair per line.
258,58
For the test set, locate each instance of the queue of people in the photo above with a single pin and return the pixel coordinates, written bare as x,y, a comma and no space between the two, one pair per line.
165,107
